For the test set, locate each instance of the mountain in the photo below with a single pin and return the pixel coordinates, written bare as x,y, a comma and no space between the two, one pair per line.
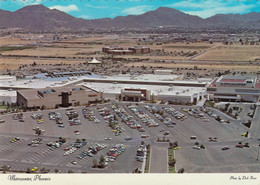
39,17
234,19
5,16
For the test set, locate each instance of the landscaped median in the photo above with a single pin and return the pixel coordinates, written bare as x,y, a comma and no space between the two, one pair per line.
147,161
171,161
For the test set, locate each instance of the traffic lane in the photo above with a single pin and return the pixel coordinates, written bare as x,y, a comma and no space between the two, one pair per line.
203,130
126,162
158,160
214,159
255,128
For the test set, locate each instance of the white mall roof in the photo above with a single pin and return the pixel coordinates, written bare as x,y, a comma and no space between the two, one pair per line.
155,89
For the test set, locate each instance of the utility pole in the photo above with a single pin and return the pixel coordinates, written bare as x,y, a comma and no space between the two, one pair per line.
258,153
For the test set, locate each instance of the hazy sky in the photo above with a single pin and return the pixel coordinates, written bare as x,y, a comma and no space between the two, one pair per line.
92,9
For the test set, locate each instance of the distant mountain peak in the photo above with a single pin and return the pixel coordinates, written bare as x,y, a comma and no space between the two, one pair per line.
33,8
39,17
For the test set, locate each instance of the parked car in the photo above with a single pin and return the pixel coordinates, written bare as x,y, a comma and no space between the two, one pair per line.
225,148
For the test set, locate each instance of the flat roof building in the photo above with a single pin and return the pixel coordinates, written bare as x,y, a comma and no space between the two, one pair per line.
235,88
55,97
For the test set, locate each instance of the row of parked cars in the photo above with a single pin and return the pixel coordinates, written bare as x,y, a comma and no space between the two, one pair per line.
91,150
111,120
73,117
195,113
56,144
211,114
176,114
88,114
127,119
15,139
57,117
160,115
142,116
239,145
35,142
73,147
114,152
19,117
140,153
54,115
37,116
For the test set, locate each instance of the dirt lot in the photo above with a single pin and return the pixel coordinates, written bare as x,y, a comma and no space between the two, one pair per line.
13,63
239,67
231,53
92,47
13,41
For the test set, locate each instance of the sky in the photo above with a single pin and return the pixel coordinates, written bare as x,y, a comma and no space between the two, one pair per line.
94,9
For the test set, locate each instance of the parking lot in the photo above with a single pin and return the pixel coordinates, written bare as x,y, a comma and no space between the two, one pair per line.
112,125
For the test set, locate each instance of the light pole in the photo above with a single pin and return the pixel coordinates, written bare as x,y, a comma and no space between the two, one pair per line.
258,153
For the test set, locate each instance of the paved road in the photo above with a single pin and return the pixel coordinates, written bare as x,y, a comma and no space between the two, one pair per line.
255,125
159,160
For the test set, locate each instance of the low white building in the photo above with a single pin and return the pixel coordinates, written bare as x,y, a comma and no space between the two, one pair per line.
7,96
162,72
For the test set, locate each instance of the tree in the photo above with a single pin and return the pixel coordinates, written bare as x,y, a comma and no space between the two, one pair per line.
28,170
175,144
181,170
42,170
43,107
170,145
218,118
56,170
172,162
83,139
63,140
102,161
95,164
70,171
226,106
38,132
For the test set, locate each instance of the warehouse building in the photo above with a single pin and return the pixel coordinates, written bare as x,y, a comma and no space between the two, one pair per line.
55,97
235,88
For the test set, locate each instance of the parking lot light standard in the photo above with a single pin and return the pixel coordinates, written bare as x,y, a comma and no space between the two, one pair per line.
258,153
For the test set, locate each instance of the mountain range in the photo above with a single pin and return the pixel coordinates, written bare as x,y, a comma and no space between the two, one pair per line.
39,17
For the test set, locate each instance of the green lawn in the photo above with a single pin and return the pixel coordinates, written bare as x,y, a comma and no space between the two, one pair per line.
209,103
3,106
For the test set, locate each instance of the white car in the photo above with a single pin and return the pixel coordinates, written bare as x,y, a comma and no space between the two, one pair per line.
196,147
74,162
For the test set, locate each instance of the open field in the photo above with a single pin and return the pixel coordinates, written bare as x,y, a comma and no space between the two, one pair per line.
14,63
209,56
49,51
241,67
13,41
231,53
